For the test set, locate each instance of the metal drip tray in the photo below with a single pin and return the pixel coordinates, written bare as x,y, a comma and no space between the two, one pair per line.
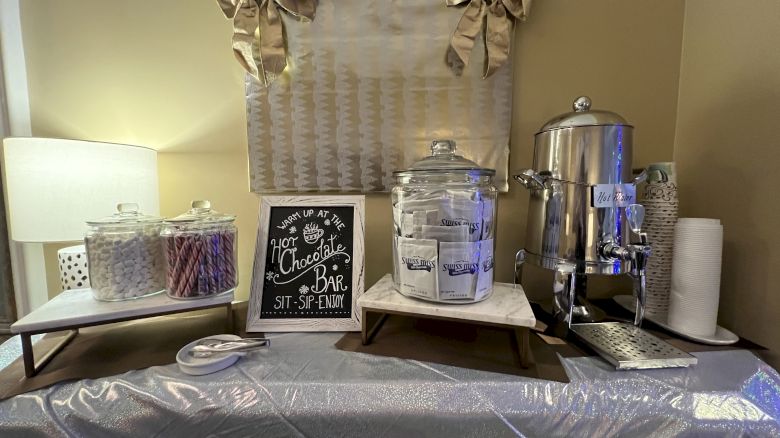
628,347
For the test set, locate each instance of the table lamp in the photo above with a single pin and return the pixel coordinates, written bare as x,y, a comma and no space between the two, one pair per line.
52,186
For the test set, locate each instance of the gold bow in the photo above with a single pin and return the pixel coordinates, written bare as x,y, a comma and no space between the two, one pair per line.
494,16
258,34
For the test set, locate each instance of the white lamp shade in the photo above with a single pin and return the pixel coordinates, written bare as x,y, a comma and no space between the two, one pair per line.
53,186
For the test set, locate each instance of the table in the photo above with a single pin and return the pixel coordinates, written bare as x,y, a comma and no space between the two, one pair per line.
76,308
303,386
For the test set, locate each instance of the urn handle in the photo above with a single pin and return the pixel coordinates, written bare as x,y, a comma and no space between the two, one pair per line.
530,179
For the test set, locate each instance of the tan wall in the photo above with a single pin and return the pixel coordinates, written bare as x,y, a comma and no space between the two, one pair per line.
727,149
161,74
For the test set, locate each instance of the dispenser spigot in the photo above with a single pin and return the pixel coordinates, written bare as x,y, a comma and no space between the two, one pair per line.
637,255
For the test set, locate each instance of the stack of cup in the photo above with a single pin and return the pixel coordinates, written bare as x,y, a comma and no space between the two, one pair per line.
695,293
661,205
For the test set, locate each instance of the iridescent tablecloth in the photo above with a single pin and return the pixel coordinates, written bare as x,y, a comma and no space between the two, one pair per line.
303,386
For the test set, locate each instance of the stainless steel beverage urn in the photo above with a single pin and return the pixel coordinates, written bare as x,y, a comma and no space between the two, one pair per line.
583,206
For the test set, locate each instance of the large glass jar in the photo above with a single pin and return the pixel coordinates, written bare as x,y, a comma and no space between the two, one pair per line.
444,211
124,255
200,253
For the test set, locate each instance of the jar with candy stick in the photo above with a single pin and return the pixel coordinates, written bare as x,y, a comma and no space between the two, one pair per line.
200,253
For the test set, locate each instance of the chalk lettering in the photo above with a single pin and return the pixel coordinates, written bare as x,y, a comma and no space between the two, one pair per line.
330,301
325,283
305,302
290,219
277,246
292,264
282,302
337,221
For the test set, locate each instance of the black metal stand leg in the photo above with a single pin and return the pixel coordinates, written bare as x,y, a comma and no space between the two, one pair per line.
27,355
31,368
229,322
370,330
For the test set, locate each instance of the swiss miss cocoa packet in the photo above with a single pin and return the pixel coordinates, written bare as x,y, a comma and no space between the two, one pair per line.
486,265
458,270
417,262
440,233
456,212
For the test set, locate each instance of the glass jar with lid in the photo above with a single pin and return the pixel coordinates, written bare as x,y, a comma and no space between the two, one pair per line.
444,211
200,253
124,255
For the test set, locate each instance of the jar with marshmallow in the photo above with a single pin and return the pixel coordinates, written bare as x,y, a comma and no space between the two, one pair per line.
444,212
124,254
200,253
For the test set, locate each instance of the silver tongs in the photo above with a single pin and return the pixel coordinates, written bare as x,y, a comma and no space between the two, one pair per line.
208,347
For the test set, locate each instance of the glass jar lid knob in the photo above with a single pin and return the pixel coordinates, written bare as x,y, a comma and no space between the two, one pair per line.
127,213
443,147
127,209
201,205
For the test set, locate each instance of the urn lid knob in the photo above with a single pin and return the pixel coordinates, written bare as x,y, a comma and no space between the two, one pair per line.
581,104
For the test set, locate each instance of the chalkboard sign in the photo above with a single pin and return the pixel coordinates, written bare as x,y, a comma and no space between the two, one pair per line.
308,269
